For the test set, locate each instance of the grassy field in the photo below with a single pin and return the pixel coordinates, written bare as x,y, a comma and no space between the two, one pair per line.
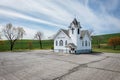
104,38
104,43
105,50
26,45
48,44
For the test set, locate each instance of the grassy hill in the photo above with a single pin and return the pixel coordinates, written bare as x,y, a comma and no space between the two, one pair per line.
104,43
105,37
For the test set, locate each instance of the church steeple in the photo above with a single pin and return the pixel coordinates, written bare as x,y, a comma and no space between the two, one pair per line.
75,24
74,31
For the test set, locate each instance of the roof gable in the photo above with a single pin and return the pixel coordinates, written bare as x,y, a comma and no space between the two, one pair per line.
75,23
64,31
72,45
83,33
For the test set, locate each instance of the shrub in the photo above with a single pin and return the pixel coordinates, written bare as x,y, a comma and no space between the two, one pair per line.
114,41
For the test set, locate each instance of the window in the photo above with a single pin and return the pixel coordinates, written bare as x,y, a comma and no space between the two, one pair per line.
72,30
78,31
86,43
82,43
66,42
56,43
61,43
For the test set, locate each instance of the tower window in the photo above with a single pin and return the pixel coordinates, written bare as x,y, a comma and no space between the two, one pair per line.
86,43
72,30
61,43
78,31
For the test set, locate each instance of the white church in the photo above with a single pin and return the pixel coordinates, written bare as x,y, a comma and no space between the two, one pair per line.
73,40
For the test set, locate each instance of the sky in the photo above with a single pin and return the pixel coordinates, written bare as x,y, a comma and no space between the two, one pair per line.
48,16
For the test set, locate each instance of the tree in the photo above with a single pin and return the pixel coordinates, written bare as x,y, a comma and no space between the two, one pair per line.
115,41
99,40
39,36
13,34
30,44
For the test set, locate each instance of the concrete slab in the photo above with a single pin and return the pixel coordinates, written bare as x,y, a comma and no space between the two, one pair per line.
46,65
92,74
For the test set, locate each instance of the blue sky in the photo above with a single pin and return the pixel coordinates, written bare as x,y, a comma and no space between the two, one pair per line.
48,16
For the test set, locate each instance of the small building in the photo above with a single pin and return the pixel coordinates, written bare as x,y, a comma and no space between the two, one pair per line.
73,40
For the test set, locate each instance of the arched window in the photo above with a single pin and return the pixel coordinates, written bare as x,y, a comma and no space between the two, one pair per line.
82,43
86,43
66,42
78,31
56,43
61,43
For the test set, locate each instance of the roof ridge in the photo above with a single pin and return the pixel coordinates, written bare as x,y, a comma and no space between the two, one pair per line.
66,32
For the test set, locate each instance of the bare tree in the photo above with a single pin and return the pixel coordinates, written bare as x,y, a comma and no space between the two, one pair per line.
13,34
39,36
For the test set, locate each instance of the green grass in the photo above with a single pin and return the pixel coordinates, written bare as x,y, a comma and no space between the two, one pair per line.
26,45
105,38
104,43
106,50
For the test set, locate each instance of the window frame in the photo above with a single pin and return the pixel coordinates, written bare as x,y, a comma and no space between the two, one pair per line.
82,43
78,31
61,43
66,42
85,42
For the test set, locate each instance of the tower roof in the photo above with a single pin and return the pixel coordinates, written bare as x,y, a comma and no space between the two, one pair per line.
75,23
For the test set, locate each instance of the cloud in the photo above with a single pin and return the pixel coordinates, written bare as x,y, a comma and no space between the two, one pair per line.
19,15
92,14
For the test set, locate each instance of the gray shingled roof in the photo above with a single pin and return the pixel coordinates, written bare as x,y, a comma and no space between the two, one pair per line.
83,32
72,45
66,32
63,30
76,23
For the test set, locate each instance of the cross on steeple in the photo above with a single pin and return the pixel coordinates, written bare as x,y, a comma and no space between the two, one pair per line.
72,30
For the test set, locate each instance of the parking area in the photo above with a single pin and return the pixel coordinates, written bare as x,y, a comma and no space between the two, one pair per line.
47,65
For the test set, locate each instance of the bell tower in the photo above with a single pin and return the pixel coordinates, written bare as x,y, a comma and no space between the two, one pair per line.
74,31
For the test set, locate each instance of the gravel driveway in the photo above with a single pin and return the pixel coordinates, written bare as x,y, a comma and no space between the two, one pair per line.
46,65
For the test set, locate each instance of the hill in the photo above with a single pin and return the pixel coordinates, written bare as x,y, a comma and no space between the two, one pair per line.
100,43
104,38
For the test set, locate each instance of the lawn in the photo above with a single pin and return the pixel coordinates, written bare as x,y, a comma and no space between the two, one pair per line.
105,50
26,45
